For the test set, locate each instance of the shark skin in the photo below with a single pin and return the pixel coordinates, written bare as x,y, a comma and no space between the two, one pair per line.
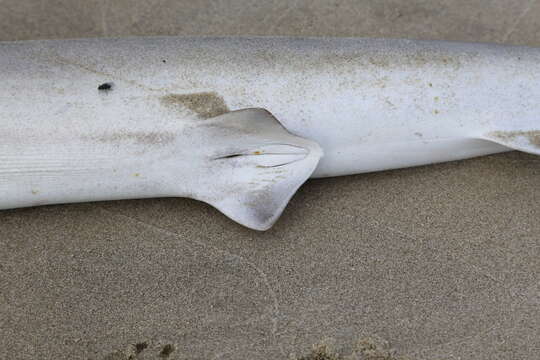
241,123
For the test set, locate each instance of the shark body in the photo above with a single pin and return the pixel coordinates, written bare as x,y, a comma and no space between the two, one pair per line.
241,123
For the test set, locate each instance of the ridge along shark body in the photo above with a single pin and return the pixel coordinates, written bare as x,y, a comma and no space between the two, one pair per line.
241,123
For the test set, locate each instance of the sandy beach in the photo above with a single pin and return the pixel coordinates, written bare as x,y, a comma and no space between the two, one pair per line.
435,262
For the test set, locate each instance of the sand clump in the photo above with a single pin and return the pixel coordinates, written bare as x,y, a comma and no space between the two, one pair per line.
370,348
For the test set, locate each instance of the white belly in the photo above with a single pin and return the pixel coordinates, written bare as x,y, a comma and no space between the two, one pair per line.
391,155
369,104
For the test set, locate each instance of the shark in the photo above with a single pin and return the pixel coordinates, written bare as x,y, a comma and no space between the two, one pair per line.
242,122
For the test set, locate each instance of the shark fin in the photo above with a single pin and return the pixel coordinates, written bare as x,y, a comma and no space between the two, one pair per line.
257,166
526,141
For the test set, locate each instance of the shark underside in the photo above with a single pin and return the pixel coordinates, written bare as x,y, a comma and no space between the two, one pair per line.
242,123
